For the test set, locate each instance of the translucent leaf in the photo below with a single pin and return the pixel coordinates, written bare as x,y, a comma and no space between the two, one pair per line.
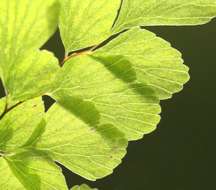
30,171
82,187
156,63
74,139
21,125
33,76
21,166
160,12
86,23
109,83
24,27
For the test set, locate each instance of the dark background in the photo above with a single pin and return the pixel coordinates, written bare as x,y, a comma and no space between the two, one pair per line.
179,155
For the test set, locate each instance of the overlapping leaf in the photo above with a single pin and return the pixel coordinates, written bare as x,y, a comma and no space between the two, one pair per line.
33,76
24,27
160,12
156,63
20,124
21,165
30,170
109,83
86,23
102,99
74,138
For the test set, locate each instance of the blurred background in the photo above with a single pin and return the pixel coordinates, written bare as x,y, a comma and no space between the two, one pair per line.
179,155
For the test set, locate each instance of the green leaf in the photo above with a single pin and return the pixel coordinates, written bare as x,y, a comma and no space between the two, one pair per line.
86,23
110,83
82,187
156,63
160,12
2,105
21,166
21,124
24,27
30,171
33,76
74,139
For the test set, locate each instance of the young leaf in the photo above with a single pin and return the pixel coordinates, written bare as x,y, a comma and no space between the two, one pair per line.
30,171
156,63
109,83
82,187
19,124
78,142
37,73
160,12
86,23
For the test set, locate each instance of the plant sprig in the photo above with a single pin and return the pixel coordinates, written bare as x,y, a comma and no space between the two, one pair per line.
105,95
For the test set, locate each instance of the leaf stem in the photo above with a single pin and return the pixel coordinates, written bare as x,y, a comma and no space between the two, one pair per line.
78,53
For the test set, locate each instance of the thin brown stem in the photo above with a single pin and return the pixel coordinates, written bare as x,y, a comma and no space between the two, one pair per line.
75,54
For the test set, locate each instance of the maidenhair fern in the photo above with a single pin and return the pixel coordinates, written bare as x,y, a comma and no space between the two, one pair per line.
107,89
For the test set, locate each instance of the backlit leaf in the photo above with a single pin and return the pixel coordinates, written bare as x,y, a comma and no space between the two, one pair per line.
33,76
25,25
74,138
86,23
168,12
156,63
20,123
30,171
110,83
